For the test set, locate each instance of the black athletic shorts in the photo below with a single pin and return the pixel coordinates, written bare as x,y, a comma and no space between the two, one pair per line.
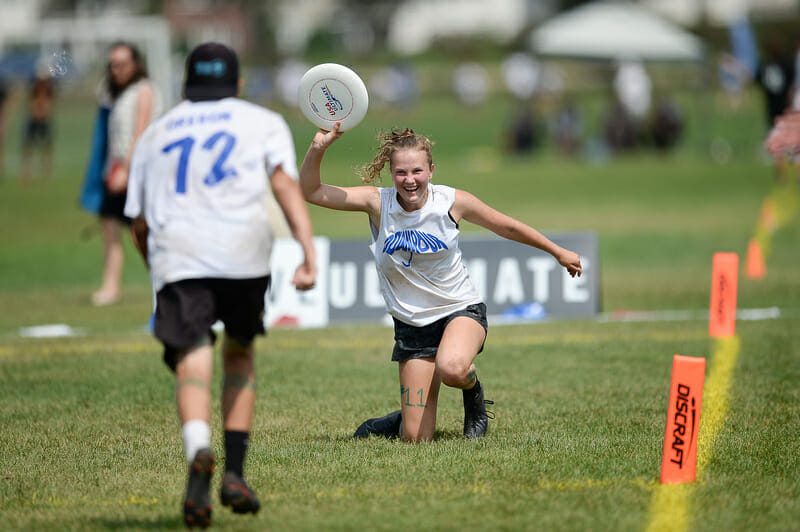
186,310
113,206
37,132
421,342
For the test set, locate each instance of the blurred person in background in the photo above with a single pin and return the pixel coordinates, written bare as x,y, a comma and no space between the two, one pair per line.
199,181
568,126
733,75
135,103
5,103
775,76
795,103
439,316
619,128
471,83
783,140
524,133
633,89
38,134
667,125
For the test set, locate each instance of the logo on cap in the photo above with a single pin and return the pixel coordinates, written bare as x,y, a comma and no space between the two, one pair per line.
215,68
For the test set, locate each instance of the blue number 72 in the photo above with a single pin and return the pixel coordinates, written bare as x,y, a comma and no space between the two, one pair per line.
218,171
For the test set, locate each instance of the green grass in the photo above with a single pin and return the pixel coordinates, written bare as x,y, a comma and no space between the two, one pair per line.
89,437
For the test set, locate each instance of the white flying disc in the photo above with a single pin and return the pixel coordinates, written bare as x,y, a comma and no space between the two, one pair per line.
331,92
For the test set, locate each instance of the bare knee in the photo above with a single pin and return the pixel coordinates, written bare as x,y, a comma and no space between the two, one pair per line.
452,372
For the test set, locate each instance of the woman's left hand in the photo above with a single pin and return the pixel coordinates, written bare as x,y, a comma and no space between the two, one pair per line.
571,261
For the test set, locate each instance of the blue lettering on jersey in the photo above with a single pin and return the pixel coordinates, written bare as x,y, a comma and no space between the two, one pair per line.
191,120
412,241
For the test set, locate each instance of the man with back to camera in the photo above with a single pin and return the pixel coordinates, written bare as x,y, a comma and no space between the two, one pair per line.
197,191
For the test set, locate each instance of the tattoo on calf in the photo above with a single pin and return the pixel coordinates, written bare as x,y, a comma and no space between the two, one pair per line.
191,381
405,395
238,381
472,378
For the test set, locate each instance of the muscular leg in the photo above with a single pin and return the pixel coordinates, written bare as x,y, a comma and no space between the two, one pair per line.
193,394
239,386
192,384
461,341
238,403
419,394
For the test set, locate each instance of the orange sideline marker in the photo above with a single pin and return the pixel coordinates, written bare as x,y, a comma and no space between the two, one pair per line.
679,463
724,281
756,267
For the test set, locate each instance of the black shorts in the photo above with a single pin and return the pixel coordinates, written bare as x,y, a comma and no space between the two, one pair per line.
37,132
421,342
113,206
186,310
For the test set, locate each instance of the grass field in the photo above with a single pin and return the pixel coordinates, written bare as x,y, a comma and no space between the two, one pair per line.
89,438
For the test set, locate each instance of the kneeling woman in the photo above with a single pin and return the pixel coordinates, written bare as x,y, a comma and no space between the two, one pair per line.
439,317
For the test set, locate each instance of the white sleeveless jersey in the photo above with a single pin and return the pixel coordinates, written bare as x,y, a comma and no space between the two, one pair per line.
421,275
199,178
122,119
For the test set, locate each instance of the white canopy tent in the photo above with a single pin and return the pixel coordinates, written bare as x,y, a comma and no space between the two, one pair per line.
612,30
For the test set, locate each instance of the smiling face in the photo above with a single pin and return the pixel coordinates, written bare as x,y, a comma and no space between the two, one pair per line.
411,173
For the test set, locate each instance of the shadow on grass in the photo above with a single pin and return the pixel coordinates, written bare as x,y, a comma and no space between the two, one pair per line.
142,523
438,435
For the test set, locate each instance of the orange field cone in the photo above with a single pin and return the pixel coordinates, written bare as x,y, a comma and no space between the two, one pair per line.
724,283
679,461
755,268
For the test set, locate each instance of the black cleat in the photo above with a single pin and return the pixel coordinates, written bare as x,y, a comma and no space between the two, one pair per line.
476,417
387,426
197,504
237,494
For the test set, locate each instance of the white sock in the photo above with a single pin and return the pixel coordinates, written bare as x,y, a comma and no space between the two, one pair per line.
196,435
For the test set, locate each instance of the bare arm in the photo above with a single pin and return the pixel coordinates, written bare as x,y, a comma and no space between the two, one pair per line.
139,232
144,110
118,182
290,198
473,210
366,198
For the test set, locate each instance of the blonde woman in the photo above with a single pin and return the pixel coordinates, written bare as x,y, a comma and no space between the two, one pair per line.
439,317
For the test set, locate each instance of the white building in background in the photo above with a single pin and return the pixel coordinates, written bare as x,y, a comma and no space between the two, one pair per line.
298,20
413,25
18,21
721,12
417,24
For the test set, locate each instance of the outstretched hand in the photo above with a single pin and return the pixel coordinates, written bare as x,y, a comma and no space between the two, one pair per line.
323,138
571,261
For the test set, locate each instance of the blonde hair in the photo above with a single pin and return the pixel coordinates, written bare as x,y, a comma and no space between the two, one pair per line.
390,142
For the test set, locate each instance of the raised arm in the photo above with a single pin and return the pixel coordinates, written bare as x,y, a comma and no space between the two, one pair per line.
288,195
366,198
473,210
